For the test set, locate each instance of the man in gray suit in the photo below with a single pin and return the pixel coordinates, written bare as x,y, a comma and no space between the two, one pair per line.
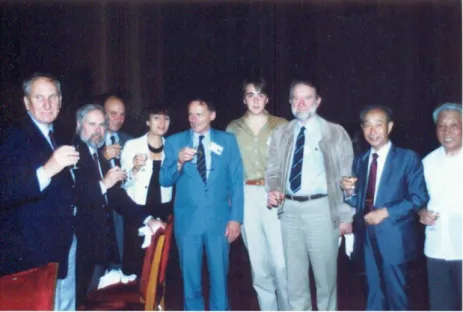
307,159
115,141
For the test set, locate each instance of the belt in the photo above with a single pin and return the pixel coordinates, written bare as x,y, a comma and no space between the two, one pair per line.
305,198
259,182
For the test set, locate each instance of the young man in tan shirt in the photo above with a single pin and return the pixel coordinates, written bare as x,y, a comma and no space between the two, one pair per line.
261,226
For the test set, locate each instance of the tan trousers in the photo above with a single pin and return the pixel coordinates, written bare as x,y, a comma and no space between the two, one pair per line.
309,239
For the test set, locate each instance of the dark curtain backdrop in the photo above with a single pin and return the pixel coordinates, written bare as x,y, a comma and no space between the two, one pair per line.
405,54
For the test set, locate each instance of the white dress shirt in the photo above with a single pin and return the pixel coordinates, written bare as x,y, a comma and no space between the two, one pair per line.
44,129
313,175
443,175
381,160
207,149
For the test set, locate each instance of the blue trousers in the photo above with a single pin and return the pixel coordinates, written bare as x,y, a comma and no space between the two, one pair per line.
386,282
191,249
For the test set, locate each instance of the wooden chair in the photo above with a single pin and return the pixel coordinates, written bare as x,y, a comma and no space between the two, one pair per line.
145,294
33,289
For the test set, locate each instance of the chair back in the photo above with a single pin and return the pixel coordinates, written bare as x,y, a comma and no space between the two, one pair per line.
147,263
156,286
33,289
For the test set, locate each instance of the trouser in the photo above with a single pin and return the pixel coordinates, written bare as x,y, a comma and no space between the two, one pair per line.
444,283
65,295
261,234
310,239
190,247
386,282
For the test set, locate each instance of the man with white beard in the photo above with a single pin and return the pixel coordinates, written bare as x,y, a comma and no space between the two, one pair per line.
97,196
307,159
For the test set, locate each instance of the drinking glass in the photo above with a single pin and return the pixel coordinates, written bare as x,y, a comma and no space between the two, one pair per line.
353,179
144,157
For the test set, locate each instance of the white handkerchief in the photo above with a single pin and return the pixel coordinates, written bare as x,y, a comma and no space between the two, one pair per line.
115,276
349,243
146,232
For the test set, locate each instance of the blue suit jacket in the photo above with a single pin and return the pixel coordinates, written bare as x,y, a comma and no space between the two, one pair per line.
35,227
205,207
402,190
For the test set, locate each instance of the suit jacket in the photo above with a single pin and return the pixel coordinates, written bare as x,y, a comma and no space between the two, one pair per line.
35,227
205,207
138,188
94,224
336,148
402,190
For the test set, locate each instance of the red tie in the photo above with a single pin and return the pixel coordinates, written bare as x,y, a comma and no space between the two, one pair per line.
371,187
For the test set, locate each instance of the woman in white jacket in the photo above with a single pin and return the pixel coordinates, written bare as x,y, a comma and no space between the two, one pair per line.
142,158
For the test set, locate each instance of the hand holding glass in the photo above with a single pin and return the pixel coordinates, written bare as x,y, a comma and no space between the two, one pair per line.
351,180
143,157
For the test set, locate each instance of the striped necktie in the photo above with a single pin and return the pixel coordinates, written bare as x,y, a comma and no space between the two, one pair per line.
298,157
52,139
201,159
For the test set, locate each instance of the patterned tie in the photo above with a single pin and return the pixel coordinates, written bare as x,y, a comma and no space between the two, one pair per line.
52,139
296,169
371,186
201,159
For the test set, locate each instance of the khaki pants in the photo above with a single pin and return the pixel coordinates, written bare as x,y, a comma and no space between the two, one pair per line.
309,238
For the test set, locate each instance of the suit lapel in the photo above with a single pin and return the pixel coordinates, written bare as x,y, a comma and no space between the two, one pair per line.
362,174
287,141
385,175
215,159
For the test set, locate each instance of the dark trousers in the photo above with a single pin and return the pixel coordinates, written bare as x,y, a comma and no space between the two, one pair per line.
444,283
386,282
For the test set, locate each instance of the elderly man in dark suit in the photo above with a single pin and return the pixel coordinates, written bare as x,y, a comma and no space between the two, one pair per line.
97,195
114,143
37,198
388,194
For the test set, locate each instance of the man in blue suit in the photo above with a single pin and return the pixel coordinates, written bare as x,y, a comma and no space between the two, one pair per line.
389,191
205,166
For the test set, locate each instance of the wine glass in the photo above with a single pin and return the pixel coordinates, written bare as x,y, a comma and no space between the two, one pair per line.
195,147
75,142
352,178
435,214
144,158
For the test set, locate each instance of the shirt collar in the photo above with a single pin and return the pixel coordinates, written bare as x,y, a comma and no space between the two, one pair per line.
383,151
45,129
311,125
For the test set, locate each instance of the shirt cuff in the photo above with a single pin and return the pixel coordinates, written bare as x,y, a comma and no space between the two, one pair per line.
43,180
347,197
103,188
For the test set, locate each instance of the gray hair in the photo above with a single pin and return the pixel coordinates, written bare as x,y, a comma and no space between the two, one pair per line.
456,107
83,112
29,81
307,83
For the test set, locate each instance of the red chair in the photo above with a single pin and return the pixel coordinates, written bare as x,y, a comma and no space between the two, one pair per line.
145,294
33,289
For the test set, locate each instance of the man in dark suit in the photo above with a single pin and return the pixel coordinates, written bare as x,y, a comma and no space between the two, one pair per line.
97,195
387,195
208,207
37,198
114,143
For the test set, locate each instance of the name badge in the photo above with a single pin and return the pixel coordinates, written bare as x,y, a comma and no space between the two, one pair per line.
215,148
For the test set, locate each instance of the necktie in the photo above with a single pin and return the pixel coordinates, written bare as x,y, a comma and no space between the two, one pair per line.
52,139
371,186
97,164
201,159
298,157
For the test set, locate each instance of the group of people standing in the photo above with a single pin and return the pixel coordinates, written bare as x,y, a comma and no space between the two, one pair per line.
291,189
